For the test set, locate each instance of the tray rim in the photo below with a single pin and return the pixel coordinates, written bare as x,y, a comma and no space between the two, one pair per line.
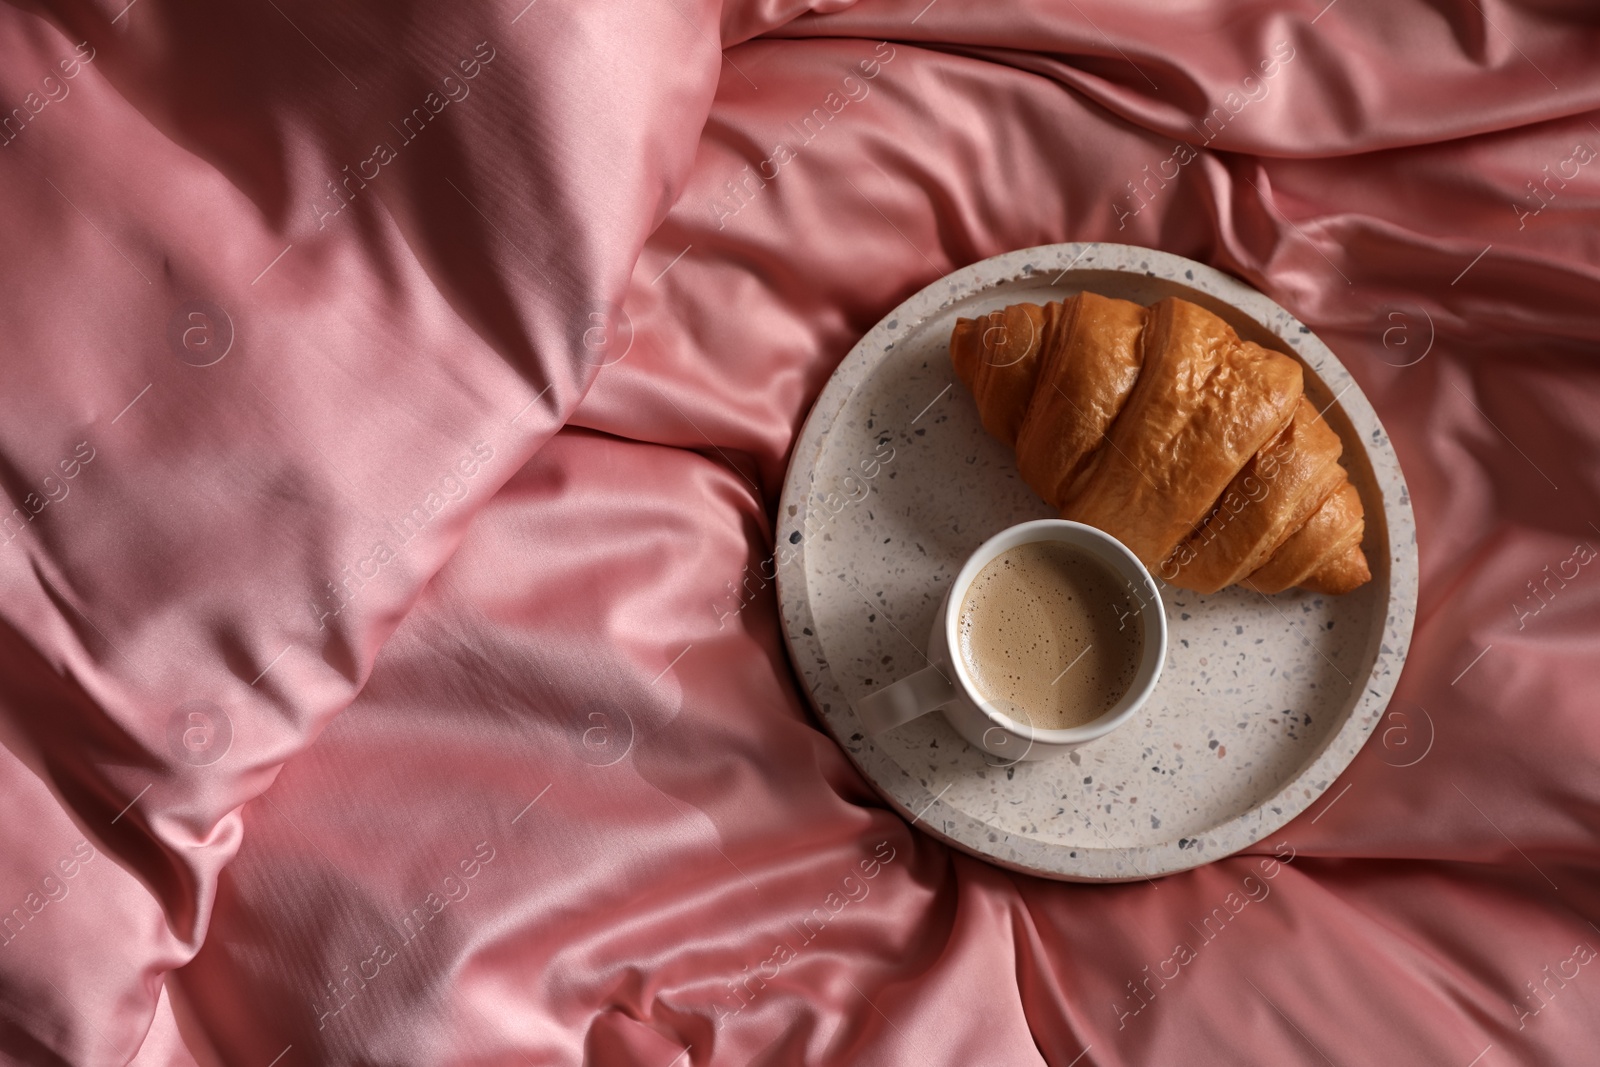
965,831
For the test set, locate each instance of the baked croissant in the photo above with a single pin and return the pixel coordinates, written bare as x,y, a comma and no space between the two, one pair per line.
1194,448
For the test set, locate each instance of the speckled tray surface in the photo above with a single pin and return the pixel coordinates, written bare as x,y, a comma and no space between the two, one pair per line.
1263,700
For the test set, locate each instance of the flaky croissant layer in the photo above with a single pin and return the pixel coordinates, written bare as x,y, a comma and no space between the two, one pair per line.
1159,425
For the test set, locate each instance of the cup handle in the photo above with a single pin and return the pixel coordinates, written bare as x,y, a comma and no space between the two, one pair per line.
902,701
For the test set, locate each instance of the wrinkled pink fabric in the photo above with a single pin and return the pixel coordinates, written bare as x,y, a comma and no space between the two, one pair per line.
364,686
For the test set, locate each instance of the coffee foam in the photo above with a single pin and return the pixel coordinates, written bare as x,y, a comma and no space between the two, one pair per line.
1047,637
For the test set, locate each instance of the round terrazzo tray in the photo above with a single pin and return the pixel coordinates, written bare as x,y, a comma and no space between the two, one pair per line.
1263,701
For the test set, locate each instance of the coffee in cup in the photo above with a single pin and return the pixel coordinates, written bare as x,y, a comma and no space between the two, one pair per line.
1035,652
1044,632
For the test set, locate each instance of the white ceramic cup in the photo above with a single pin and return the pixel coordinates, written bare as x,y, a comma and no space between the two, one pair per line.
1004,732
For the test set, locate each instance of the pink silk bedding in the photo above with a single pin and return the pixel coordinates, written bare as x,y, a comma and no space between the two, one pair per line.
391,392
